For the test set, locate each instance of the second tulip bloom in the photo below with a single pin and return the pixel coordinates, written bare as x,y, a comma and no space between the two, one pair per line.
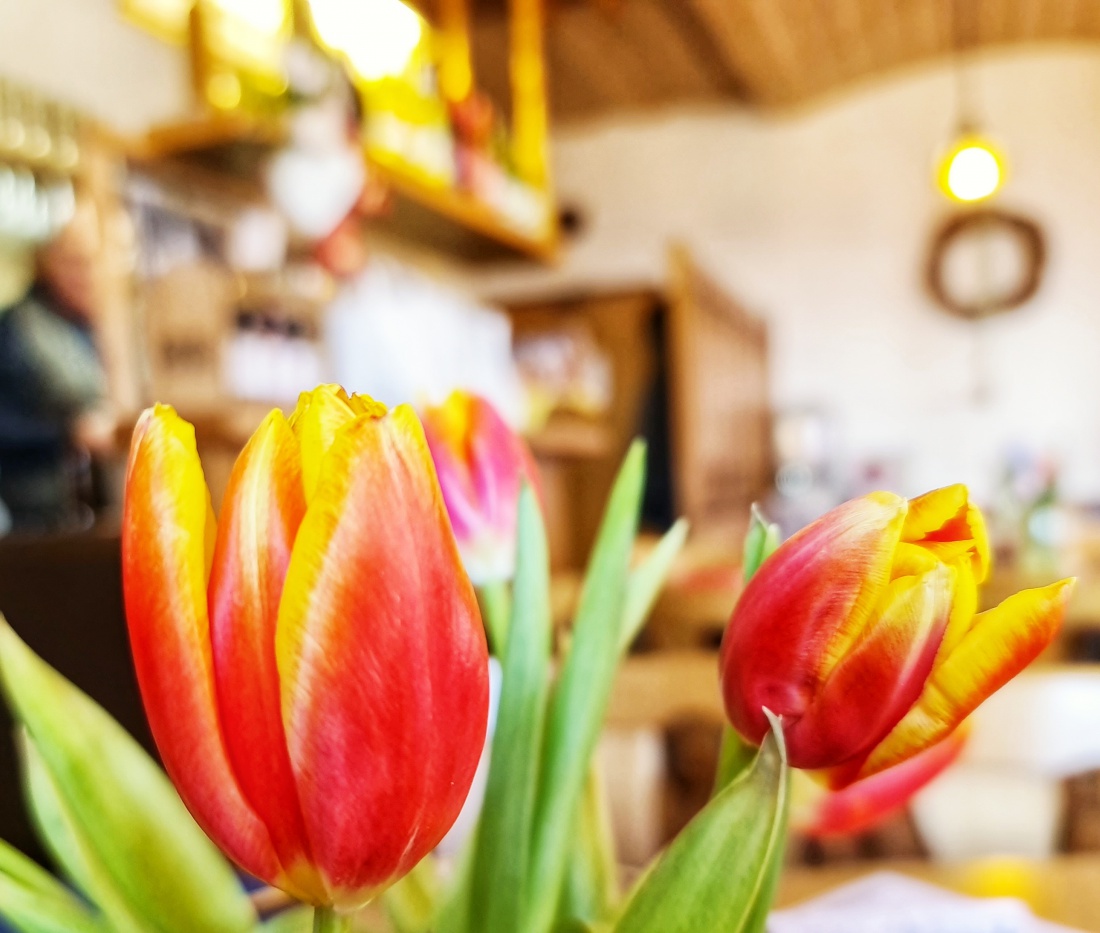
862,632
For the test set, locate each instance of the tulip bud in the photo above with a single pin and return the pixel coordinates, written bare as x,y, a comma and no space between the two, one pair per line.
861,632
482,464
313,665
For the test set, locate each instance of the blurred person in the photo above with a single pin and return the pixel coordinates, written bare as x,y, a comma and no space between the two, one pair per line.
52,383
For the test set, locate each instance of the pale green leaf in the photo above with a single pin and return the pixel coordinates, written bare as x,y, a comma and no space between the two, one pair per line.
156,857
647,581
495,602
33,901
294,920
73,852
591,890
719,872
580,698
500,882
761,540
413,902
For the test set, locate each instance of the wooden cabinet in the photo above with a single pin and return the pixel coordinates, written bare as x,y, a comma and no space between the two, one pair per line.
689,372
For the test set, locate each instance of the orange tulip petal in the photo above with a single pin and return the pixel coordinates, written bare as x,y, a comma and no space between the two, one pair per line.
811,598
383,763
167,537
1000,644
264,505
880,678
865,804
947,523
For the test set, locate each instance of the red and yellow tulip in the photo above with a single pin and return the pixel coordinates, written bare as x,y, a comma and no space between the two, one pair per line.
313,664
861,631
482,463
859,807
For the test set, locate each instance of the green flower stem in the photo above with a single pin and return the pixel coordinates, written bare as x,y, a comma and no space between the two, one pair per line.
496,611
326,920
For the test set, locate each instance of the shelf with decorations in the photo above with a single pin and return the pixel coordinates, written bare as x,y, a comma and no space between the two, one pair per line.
459,177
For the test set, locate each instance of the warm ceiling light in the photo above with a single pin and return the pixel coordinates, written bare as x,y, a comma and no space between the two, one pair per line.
378,37
267,17
972,171
167,19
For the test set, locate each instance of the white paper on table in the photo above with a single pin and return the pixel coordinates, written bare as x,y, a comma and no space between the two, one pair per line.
886,902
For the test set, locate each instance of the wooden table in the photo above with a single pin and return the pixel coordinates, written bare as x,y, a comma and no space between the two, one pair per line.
1065,889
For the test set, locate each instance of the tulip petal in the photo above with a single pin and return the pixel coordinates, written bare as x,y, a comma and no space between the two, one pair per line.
880,678
963,608
264,505
945,522
318,417
804,608
1000,644
167,545
481,463
863,805
383,763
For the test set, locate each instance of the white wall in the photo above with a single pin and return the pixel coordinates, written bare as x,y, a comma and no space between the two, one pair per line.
819,221
83,52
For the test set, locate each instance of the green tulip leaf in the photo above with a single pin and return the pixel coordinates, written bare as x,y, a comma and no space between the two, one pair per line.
70,848
580,697
591,890
647,581
499,882
121,805
761,540
33,901
719,873
413,902
294,920
495,601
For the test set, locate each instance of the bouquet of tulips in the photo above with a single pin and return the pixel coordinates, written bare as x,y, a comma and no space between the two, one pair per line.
315,670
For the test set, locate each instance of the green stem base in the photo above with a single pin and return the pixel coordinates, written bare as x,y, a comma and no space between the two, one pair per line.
326,920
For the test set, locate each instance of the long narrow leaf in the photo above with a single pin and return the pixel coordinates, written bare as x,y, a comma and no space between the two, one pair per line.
495,602
33,901
499,882
413,902
647,581
591,890
761,540
73,852
293,920
718,873
580,700
168,871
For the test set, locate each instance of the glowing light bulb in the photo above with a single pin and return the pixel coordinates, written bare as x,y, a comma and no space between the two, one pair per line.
972,171
378,37
265,16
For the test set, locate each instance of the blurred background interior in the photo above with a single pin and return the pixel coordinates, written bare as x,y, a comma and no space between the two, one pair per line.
806,250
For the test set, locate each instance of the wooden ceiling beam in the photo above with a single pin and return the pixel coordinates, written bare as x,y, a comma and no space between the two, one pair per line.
670,53
706,47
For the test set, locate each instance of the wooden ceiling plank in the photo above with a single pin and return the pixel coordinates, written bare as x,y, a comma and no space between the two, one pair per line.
583,33
675,65
774,22
851,36
821,56
995,21
739,44
705,46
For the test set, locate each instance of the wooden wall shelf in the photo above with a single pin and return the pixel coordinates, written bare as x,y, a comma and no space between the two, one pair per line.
451,220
